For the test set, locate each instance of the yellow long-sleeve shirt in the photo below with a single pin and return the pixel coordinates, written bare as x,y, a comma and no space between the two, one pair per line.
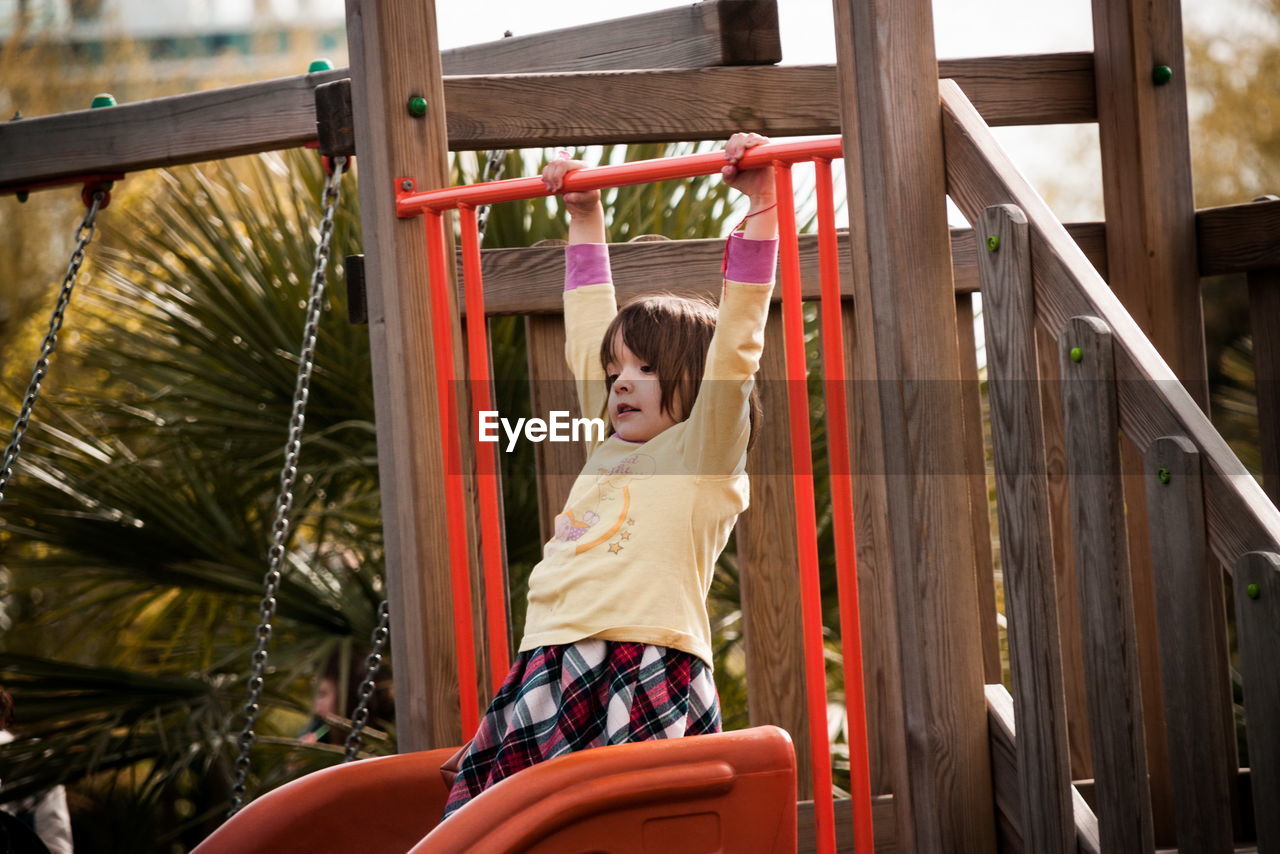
635,546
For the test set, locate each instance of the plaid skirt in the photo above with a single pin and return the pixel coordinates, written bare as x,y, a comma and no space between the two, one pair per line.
559,699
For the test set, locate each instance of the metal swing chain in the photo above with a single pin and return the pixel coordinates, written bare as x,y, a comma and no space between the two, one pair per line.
491,169
84,236
288,474
372,665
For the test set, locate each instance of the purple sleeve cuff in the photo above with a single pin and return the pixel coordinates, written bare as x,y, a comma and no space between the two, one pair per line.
586,264
751,261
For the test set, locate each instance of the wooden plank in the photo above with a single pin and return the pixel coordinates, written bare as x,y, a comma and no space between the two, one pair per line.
881,662
510,111
1064,565
393,47
550,388
1239,238
1004,773
1106,597
1022,502
767,561
896,185
1192,650
1152,403
975,472
882,809
1257,598
1264,327
714,32
1150,215
529,280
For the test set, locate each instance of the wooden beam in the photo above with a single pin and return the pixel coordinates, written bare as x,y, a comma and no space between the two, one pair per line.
975,474
1004,773
882,809
1022,502
896,187
1152,403
1239,238
767,563
393,46
1257,598
1150,215
1193,651
530,280
1264,327
505,112
713,32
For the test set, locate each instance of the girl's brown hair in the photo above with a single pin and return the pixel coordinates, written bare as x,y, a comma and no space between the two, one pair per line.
672,334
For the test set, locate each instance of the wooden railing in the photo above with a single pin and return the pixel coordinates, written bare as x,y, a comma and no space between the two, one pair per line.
1205,510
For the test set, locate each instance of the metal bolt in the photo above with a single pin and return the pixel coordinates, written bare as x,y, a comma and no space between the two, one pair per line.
406,185
1164,475
417,106
319,65
1161,75
993,243
102,99
1253,591
1077,354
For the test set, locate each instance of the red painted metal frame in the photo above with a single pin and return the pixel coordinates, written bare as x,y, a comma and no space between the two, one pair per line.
779,157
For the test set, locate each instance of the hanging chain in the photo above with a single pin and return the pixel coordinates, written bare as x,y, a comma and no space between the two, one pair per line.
288,474
84,235
372,665
491,170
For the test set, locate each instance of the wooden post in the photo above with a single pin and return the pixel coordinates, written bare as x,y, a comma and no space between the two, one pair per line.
394,55
893,162
975,472
767,561
1022,500
1257,596
1193,654
1140,79
1106,598
1264,322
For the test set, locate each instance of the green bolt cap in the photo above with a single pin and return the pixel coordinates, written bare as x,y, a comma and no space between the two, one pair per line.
1164,475
319,65
1253,591
103,99
22,195
1161,75
1077,354
417,106
993,243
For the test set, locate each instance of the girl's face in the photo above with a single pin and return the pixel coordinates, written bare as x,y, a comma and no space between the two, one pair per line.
635,397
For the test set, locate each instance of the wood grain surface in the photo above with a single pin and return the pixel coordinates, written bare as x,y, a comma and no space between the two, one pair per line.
1106,596
1022,503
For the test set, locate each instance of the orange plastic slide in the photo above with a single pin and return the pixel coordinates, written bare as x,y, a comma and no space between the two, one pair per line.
730,792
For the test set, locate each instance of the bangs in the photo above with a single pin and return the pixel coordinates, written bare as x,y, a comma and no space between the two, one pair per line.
673,335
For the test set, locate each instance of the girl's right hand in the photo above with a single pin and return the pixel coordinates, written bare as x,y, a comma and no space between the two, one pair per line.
577,203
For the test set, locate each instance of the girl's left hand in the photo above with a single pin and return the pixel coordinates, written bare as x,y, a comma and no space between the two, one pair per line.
756,183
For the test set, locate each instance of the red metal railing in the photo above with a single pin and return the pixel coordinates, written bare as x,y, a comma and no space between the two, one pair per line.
431,206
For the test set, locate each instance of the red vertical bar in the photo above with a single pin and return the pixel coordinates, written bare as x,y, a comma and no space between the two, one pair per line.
815,676
838,441
490,530
451,451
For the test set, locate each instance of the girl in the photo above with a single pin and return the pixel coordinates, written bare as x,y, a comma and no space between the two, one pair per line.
617,644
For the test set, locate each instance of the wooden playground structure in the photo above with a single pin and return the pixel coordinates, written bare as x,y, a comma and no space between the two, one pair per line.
1128,530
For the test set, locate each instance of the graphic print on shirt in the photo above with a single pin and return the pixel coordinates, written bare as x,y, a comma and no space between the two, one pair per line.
610,522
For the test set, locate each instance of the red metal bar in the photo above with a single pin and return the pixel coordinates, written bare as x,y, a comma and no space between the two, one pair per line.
411,204
491,527
451,452
815,676
838,440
